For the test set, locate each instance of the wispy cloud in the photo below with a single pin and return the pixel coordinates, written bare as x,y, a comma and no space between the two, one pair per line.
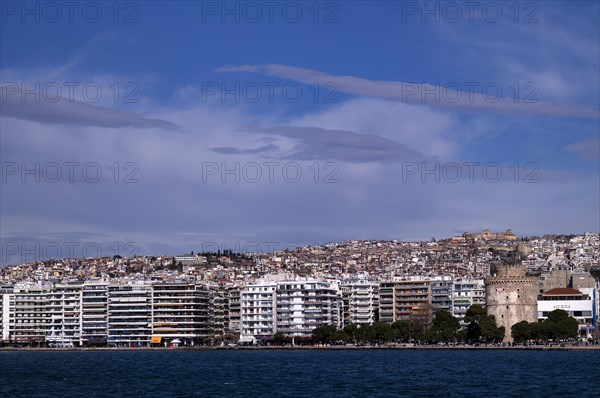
588,149
416,94
65,112
228,150
315,143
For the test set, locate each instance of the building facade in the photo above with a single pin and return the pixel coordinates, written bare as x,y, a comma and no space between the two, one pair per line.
257,318
180,314
406,300
94,315
465,293
304,305
129,315
361,302
577,304
64,309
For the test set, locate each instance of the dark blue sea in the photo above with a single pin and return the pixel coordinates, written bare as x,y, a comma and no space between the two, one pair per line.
300,373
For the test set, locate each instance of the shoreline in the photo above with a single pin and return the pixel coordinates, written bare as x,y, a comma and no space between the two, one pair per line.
300,348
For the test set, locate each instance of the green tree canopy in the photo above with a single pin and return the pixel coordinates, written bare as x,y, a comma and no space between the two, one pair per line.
475,313
444,326
561,325
324,334
521,331
482,326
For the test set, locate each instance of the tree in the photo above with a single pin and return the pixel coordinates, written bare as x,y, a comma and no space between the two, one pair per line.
279,338
521,331
380,330
541,330
339,336
401,330
416,331
473,331
445,325
557,316
475,313
567,329
499,334
482,326
366,334
350,330
489,329
323,334
561,325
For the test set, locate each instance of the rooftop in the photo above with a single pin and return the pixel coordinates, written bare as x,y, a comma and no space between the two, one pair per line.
563,291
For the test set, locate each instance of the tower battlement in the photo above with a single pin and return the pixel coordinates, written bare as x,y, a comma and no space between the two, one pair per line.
511,270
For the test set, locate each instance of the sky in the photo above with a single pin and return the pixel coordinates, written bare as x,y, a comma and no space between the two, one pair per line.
167,127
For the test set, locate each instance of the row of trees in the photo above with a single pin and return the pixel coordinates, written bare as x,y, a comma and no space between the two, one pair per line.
443,328
559,325
481,328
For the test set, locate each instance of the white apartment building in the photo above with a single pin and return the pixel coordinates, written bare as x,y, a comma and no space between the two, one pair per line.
257,312
304,305
7,304
465,293
361,302
64,309
441,293
129,314
94,317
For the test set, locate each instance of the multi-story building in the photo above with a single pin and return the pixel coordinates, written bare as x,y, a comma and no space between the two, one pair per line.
386,302
410,301
303,305
441,293
361,302
94,316
234,310
257,304
129,314
180,313
577,304
64,310
7,305
28,319
465,293
219,311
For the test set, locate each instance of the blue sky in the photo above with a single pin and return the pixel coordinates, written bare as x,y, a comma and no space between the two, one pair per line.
361,98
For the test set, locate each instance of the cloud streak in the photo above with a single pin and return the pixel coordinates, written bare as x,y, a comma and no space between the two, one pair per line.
315,143
588,149
418,94
65,112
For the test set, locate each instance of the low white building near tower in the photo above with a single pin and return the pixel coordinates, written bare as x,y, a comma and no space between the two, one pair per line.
577,304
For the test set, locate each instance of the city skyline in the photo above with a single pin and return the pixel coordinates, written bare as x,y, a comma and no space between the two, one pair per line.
20,252
320,122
